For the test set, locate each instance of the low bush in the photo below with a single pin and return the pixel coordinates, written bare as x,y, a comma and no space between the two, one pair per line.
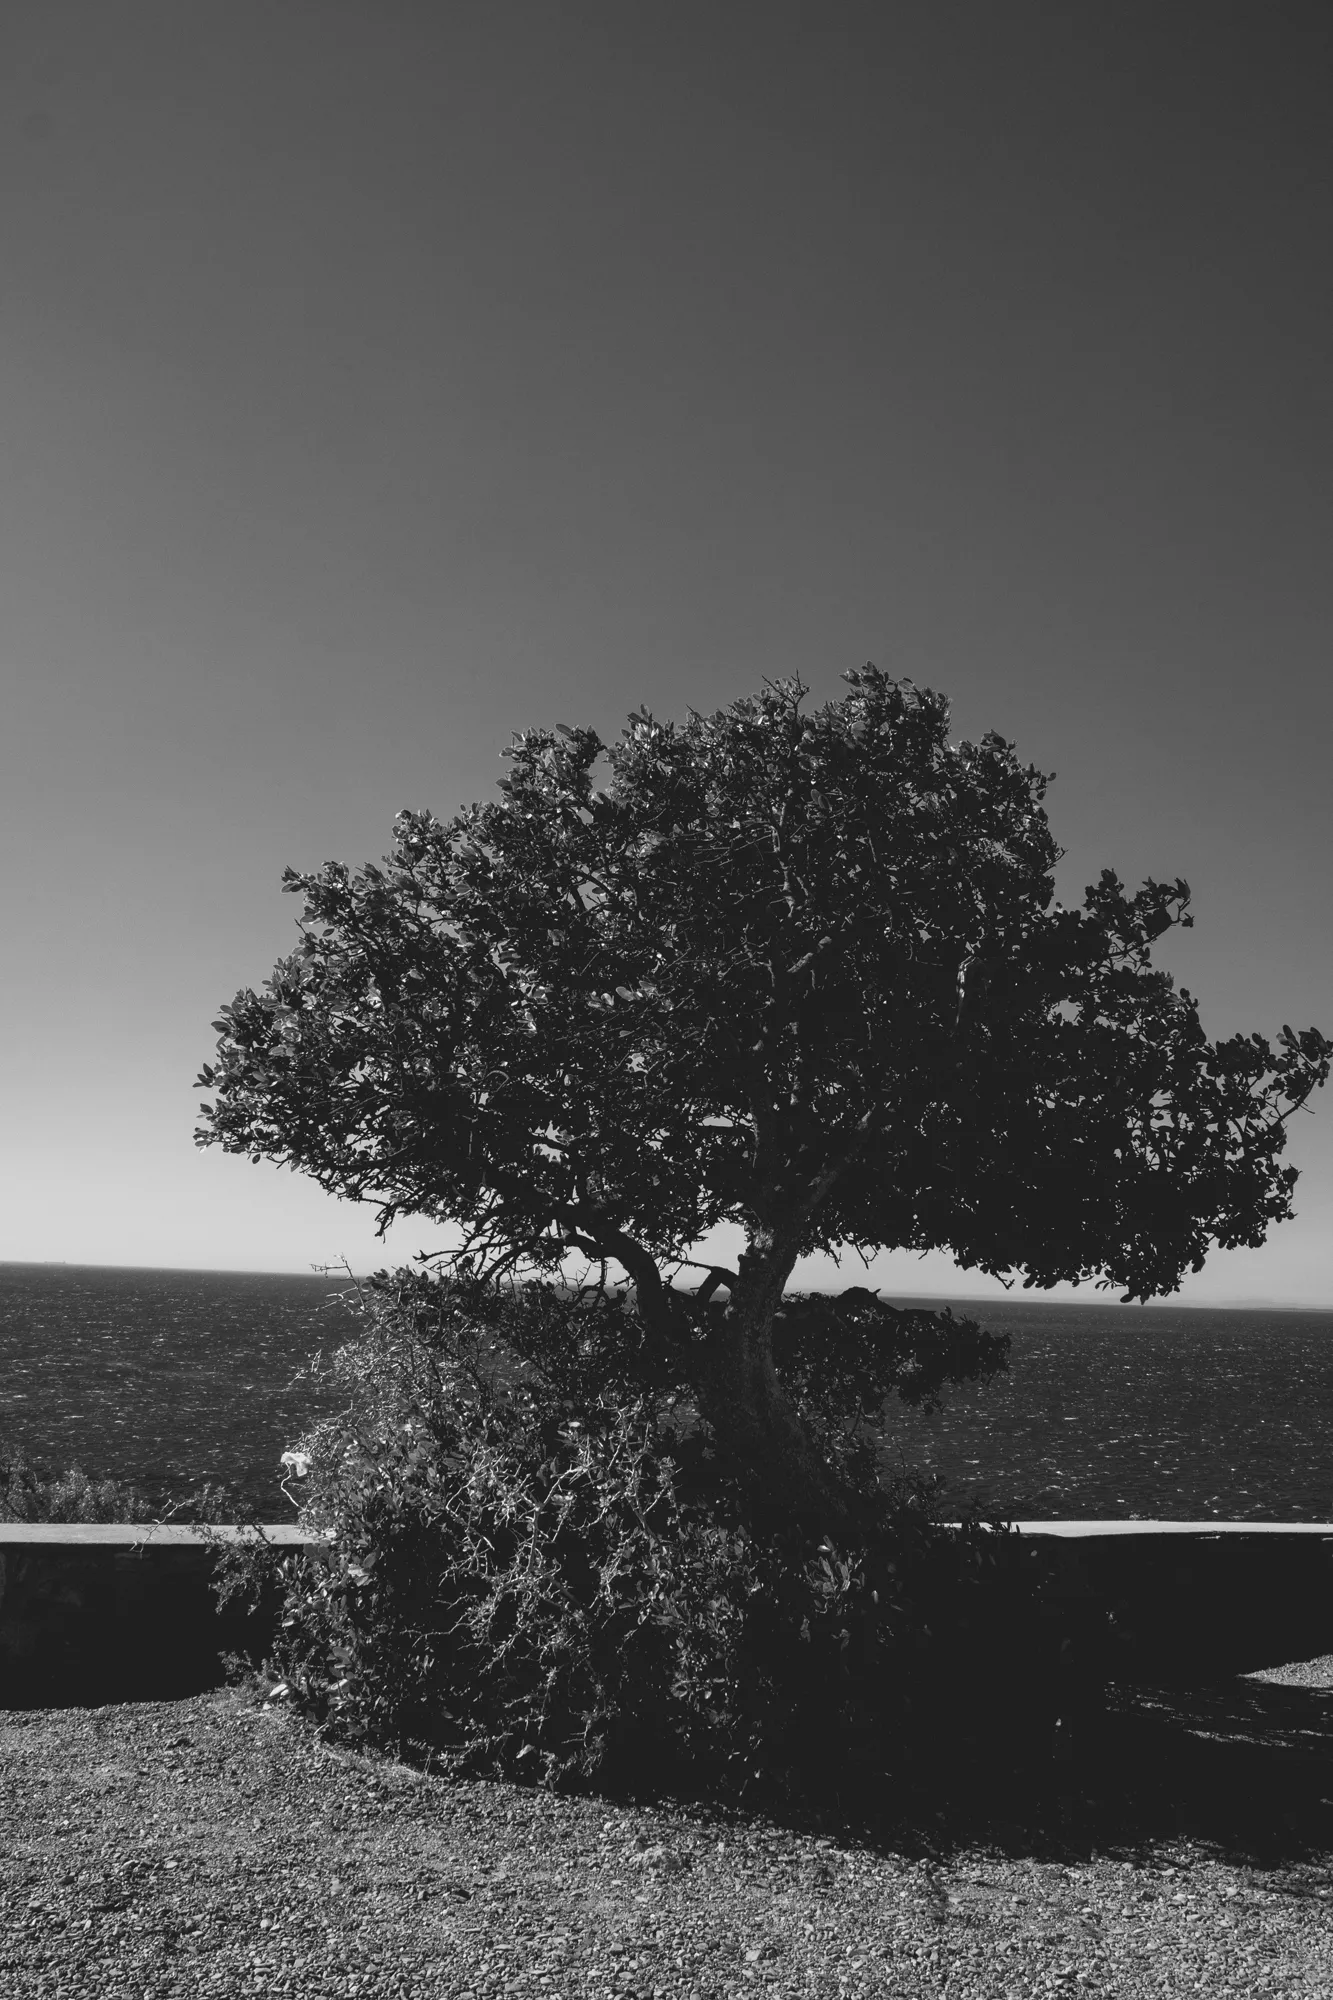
533,1566
32,1492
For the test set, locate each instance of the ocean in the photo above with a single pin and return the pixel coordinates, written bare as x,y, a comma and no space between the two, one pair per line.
163,1378
168,1378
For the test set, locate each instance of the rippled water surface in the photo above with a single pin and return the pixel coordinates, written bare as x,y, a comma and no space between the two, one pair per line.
1157,1412
172,1377
166,1378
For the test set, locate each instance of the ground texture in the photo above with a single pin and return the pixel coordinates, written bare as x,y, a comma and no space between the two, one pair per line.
212,1846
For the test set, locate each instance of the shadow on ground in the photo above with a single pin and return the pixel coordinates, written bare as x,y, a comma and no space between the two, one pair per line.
1241,1771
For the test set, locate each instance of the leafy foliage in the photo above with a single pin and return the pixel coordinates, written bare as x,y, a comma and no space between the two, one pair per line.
30,1492
800,972
528,1573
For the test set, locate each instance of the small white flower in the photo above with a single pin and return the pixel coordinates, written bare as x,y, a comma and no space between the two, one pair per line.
299,1461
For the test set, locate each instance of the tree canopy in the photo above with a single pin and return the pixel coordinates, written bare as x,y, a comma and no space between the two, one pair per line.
799,971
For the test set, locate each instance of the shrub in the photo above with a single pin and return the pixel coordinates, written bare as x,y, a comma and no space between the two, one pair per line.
31,1492
535,1565
28,1492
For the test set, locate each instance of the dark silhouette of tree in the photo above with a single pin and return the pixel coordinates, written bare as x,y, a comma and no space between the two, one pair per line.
803,972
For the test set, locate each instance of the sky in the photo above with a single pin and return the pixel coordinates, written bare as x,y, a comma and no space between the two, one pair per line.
377,381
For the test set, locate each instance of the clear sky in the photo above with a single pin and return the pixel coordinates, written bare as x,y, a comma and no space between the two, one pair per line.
377,380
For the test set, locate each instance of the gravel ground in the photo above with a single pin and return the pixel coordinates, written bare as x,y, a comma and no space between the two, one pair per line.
1300,1674
212,1846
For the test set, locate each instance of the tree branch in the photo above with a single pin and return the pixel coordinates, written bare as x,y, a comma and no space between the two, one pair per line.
718,1274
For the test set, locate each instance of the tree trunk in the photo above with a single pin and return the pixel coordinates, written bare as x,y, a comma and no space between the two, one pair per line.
754,1420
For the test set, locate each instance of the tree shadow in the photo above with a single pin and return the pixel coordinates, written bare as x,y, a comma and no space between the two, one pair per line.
1240,1771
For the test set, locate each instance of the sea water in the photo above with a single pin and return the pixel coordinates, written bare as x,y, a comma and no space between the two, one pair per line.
168,1378
164,1378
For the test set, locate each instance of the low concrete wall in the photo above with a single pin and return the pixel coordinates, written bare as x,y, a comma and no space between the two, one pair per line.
92,1614
1191,1600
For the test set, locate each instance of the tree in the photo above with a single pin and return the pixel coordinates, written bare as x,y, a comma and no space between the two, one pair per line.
803,972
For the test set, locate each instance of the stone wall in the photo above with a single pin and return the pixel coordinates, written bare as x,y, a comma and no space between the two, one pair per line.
1193,1603
94,1614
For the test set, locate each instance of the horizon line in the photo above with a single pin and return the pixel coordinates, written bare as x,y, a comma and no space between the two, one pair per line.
1031,1296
